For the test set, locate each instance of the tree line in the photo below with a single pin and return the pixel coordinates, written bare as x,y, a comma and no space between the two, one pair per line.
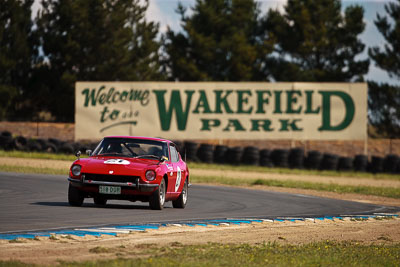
42,56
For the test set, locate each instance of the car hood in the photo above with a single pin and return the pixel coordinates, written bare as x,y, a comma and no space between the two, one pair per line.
116,165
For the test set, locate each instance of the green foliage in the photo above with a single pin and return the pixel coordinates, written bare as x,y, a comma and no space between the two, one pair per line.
388,58
91,40
383,104
327,253
316,42
219,42
16,47
384,99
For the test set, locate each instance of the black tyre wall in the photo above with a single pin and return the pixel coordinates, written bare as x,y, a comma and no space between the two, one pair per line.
313,160
234,155
345,164
206,153
376,164
390,163
191,151
251,155
360,163
329,162
220,154
296,158
280,158
265,159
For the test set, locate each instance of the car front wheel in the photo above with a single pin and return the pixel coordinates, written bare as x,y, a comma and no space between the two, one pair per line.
157,199
180,203
75,197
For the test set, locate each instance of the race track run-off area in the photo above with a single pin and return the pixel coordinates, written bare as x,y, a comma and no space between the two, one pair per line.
32,202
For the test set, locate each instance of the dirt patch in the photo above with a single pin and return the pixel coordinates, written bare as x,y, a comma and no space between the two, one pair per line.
50,251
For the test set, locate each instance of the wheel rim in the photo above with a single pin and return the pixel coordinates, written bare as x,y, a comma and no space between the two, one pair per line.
184,192
162,192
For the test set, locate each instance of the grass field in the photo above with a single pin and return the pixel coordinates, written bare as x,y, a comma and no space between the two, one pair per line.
196,165
271,254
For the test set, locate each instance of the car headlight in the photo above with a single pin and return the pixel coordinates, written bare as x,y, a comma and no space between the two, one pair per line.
76,170
150,175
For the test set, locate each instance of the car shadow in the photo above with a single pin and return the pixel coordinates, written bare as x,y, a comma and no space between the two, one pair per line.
92,205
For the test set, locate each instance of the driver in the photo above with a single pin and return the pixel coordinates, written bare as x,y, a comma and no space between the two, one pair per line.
114,148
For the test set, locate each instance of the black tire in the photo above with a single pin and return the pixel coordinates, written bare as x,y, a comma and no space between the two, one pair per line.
280,158
157,199
390,163
220,154
206,153
6,142
345,164
75,196
265,159
20,143
100,201
296,158
329,162
376,164
6,133
180,203
191,151
234,155
251,155
67,148
34,146
360,163
50,148
313,160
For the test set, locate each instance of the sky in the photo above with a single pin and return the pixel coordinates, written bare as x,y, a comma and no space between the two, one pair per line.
164,12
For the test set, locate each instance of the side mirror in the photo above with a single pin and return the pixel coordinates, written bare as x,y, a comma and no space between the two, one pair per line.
89,152
78,154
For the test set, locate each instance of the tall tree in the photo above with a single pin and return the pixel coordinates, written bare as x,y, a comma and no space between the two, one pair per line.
16,50
316,42
92,40
219,42
384,99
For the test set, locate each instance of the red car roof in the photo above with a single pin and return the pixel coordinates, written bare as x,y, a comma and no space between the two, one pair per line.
140,137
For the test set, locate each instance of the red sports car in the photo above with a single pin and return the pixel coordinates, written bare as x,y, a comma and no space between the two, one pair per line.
130,168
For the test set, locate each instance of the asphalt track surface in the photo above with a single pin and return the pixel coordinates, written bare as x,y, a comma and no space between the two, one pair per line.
39,202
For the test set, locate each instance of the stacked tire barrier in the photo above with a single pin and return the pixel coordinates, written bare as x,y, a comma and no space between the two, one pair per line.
220,154
280,158
205,153
51,145
190,150
313,160
265,158
295,158
234,155
251,156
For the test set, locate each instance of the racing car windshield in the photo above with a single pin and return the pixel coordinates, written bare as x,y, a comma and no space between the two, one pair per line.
128,147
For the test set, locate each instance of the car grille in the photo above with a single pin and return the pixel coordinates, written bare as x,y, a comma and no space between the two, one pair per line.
110,178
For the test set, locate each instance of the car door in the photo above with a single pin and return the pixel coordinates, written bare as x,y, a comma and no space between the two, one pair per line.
177,171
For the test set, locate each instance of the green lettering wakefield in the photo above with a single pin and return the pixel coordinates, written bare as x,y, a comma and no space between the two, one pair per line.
223,105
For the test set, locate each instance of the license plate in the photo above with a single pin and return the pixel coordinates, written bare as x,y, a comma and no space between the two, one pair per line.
112,190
